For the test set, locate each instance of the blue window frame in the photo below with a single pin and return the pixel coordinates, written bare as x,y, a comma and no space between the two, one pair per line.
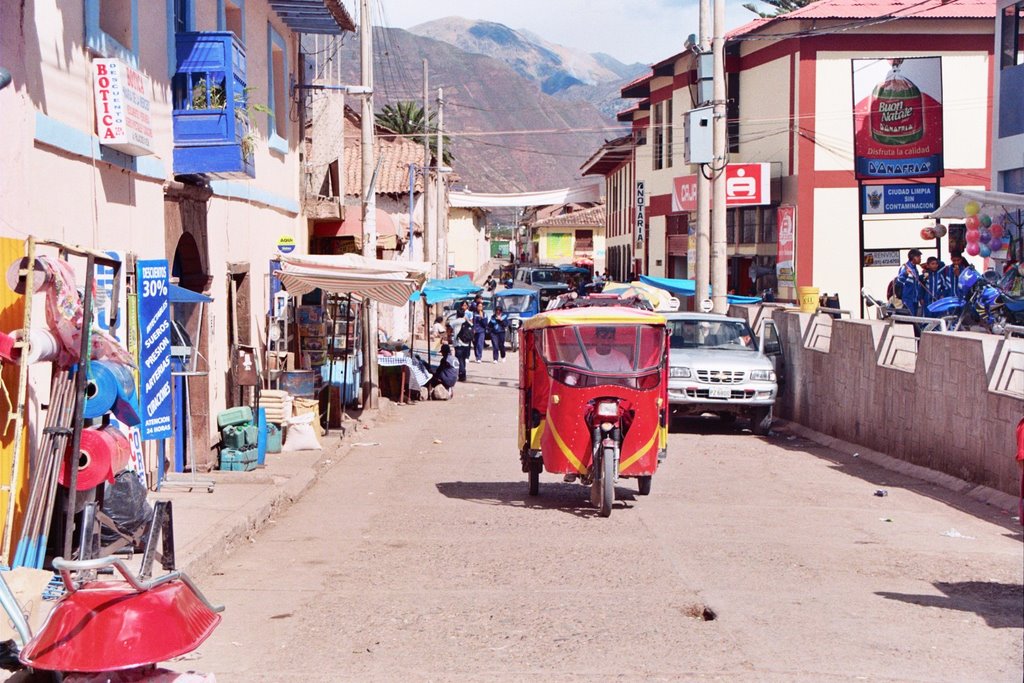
181,18
277,91
231,17
112,29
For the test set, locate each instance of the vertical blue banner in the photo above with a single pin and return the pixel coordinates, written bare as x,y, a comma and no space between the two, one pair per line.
154,349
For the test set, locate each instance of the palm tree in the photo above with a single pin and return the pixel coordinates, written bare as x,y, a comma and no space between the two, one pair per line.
781,7
405,117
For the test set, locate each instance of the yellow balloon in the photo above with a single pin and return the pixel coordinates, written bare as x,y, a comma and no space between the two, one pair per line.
972,208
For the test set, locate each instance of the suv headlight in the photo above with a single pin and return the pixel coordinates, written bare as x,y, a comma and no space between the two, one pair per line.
682,373
762,375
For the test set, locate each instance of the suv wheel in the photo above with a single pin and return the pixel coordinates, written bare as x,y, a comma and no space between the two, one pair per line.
761,421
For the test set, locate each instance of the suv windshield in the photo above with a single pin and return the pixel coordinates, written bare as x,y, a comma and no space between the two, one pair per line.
539,276
732,335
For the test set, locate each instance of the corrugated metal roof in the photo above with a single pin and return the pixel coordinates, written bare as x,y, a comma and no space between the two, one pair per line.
879,9
314,16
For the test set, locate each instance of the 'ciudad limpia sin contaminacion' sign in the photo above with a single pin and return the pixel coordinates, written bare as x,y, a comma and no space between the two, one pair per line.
897,117
122,107
902,198
154,349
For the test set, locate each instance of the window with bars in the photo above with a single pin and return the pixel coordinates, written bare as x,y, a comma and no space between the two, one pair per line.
748,221
730,226
658,149
769,225
668,134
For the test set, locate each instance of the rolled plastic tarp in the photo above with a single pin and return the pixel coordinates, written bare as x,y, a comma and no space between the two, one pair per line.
111,387
96,456
43,345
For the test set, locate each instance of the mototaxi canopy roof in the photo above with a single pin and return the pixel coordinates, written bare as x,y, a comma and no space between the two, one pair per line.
604,315
516,291
436,291
389,282
689,288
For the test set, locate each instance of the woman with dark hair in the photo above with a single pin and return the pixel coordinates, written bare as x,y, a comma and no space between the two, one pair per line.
479,330
462,334
497,325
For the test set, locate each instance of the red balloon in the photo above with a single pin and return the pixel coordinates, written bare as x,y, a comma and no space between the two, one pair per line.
973,236
972,222
973,248
927,234
996,230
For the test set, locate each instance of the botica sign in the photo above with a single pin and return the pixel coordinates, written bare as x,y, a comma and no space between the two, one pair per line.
122,107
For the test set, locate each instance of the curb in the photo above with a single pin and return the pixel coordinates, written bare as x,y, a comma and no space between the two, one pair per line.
983,494
241,525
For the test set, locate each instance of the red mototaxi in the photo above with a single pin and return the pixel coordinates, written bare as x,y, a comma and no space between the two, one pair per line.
575,363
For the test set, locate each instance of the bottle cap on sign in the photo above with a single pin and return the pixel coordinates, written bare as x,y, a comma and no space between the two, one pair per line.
286,244
706,305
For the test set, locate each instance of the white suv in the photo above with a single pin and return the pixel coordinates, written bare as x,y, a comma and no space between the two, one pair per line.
717,365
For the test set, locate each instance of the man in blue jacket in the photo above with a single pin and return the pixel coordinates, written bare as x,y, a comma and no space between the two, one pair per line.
910,279
932,281
950,275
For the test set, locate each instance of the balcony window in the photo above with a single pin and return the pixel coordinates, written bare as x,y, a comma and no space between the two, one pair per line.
1012,36
668,134
112,29
769,230
277,91
749,222
231,17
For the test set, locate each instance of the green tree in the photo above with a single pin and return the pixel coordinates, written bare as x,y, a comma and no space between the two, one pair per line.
780,7
406,118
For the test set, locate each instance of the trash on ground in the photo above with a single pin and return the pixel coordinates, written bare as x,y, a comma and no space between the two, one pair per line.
438,441
885,519
881,493
856,455
953,533
367,443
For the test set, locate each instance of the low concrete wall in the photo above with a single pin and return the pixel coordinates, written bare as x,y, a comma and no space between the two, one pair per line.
950,402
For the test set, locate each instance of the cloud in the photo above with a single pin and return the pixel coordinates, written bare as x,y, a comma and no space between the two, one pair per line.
644,31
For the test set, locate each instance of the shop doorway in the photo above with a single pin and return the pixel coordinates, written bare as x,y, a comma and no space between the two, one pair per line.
239,326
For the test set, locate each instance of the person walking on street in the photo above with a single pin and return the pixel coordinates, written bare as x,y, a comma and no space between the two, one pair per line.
462,333
497,325
909,278
479,331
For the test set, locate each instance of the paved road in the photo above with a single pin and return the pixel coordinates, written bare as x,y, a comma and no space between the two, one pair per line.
422,558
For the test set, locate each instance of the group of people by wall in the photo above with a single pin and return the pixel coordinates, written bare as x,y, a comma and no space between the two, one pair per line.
918,286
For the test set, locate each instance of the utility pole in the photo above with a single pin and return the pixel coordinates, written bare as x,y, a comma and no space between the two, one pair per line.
429,239
718,257
369,193
703,233
442,224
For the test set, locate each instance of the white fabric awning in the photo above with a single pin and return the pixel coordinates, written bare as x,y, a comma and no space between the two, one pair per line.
389,282
990,202
469,200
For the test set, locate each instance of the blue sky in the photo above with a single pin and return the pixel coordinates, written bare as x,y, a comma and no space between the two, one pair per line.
630,30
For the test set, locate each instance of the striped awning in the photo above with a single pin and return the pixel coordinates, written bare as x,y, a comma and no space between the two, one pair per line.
389,282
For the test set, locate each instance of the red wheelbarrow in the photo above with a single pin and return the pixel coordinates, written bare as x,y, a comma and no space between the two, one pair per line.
114,625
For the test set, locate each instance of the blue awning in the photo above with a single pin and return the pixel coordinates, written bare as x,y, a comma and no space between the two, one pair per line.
180,295
437,291
314,16
689,288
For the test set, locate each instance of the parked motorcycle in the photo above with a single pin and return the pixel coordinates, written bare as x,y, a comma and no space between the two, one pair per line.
983,305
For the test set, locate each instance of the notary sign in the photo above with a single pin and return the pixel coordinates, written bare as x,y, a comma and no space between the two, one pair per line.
154,349
122,107
641,217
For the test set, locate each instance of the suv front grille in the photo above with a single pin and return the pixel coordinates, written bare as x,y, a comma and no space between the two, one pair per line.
720,376
706,394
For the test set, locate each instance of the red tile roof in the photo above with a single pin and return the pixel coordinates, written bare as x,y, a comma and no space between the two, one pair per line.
397,153
586,218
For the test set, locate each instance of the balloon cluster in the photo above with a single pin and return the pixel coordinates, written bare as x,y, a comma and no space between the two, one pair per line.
983,236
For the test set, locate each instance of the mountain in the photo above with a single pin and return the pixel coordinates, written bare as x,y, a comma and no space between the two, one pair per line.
558,70
486,102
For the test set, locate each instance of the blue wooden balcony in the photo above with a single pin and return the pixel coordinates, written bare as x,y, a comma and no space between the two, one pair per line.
209,114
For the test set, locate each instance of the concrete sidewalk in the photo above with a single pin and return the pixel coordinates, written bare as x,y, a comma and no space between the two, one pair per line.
208,525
